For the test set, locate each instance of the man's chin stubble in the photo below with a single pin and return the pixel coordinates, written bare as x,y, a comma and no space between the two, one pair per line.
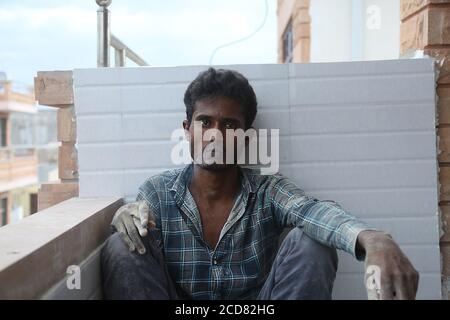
216,167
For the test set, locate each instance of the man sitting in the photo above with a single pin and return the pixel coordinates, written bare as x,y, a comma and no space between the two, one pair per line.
211,230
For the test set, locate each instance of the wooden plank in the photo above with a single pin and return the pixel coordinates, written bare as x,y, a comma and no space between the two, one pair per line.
54,88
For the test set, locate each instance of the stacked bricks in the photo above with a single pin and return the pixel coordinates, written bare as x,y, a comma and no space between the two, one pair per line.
55,89
425,25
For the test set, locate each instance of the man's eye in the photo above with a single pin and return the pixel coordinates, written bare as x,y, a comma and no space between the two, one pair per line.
205,122
230,125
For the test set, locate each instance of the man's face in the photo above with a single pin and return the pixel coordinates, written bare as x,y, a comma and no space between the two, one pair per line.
218,113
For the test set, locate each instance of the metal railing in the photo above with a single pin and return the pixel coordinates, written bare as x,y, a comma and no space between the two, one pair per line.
11,152
105,40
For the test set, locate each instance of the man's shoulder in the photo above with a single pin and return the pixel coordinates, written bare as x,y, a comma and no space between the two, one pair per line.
162,180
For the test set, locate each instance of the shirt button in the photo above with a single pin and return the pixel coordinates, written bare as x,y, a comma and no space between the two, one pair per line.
214,262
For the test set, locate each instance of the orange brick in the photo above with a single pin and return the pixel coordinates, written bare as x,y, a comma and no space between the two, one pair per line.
444,145
413,32
67,161
302,51
438,26
54,88
443,105
444,179
53,193
408,7
445,253
442,55
445,223
67,130
428,27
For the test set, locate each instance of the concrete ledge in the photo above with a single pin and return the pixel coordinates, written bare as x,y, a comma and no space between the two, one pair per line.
90,282
36,251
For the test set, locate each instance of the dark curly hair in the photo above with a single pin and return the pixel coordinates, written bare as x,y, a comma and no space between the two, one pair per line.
222,83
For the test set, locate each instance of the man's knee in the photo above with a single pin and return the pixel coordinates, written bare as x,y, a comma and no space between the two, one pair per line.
129,275
308,249
115,249
303,269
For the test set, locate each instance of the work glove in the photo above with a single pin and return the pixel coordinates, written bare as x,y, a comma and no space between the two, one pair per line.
131,222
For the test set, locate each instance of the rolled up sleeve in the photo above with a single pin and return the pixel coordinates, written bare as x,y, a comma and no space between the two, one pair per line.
323,220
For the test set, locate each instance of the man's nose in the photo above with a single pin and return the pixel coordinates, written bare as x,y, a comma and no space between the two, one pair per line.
218,130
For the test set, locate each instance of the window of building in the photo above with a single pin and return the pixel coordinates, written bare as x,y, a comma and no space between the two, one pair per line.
288,43
2,132
3,211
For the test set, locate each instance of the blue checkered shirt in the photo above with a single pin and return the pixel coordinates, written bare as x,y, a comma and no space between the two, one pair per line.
239,264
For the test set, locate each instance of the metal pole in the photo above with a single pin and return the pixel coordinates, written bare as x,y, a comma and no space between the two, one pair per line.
120,57
103,33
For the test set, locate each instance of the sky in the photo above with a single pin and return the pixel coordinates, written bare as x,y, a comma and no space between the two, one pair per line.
46,35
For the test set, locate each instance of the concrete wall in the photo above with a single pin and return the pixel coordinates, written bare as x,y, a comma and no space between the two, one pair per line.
354,30
360,133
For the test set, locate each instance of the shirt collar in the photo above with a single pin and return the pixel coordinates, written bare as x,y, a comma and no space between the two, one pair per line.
182,180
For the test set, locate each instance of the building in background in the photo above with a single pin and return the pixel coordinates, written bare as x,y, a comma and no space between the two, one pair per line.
338,30
28,150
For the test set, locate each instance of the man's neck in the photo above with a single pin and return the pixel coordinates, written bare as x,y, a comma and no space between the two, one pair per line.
213,185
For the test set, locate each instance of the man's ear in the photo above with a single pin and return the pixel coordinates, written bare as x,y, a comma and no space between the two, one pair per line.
186,130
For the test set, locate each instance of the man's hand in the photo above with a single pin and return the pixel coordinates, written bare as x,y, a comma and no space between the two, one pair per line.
397,278
131,221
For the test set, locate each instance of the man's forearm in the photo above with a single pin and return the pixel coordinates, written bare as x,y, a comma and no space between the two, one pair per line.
370,240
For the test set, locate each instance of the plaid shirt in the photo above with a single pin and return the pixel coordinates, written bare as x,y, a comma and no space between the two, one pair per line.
239,264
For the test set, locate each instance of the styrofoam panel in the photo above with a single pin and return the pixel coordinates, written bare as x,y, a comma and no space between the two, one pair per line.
165,75
423,257
354,90
260,71
108,154
152,154
276,118
271,94
151,98
373,146
101,184
395,202
365,174
103,77
97,100
380,118
151,126
406,229
99,128
361,68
